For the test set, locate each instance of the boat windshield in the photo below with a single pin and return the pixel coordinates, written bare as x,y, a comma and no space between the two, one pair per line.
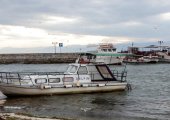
72,69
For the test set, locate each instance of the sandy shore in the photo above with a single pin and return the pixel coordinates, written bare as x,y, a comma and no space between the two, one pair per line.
13,116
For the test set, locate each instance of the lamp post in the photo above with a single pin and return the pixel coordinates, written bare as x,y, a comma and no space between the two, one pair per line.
54,43
132,44
160,42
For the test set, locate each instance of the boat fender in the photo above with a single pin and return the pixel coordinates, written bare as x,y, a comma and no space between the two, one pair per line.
47,86
78,83
41,86
85,85
101,85
68,86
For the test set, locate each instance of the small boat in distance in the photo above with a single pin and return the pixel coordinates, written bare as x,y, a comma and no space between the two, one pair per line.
164,55
137,56
79,78
138,59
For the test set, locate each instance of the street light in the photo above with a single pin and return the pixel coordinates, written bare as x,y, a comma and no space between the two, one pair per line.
160,42
54,43
132,44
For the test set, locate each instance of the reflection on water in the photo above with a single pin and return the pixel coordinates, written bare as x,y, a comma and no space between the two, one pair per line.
149,99
74,106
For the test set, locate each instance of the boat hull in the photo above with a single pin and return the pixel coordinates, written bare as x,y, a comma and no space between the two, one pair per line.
18,90
138,62
164,60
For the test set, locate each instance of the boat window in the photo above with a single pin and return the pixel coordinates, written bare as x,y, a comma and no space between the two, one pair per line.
72,69
68,79
105,50
89,57
114,49
54,80
110,50
104,71
82,70
93,72
13,81
40,80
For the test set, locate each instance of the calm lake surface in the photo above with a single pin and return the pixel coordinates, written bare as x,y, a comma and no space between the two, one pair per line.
148,100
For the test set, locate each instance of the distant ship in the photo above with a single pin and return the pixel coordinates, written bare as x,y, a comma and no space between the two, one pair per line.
141,57
105,53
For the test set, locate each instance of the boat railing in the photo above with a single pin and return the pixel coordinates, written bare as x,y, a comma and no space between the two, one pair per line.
119,72
121,76
27,79
19,78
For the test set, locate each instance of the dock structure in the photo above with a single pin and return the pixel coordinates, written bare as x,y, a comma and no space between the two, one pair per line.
38,58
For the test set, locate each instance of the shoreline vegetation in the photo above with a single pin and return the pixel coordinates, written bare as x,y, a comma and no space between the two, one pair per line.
22,116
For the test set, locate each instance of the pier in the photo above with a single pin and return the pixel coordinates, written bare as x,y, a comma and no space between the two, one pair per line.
38,58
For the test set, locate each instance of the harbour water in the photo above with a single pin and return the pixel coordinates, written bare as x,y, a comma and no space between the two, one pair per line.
149,98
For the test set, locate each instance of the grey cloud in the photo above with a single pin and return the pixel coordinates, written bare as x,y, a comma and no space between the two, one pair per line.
102,12
95,17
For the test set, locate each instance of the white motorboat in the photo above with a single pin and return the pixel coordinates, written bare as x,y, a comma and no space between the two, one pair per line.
105,54
79,78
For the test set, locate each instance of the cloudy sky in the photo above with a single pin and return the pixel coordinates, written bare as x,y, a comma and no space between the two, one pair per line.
38,23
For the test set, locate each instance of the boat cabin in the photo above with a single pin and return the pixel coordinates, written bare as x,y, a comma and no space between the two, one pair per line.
85,58
106,48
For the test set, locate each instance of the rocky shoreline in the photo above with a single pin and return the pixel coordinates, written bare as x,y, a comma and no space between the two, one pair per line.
18,116
13,116
38,58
